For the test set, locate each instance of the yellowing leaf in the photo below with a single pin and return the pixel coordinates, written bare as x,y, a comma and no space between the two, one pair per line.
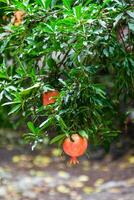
16,159
83,178
88,190
49,179
114,190
105,169
131,160
123,165
86,169
76,184
96,166
63,174
10,147
130,182
56,152
74,194
63,189
99,182
42,161
10,188
38,173
86,163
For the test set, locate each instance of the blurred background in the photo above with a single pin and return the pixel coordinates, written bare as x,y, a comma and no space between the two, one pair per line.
44,174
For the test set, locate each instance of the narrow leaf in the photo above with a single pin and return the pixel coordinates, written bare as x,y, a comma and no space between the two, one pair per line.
15,109
46,123
31,126
57,138
67,4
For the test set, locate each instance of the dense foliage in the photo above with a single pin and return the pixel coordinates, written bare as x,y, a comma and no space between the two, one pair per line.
84,49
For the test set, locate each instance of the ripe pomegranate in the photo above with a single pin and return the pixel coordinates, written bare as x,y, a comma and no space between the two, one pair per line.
49,97
75,147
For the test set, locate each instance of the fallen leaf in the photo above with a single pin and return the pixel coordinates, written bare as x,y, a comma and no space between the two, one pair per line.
16,159
63,189
56,152
130,182
114,190
74,194
123,165
83,178
38,189
10,188
86,169
85,163
96,166
10,147
76,184
37,173
98,182
49,179
88,190
105,169
131,160
42,161
20,158
63,174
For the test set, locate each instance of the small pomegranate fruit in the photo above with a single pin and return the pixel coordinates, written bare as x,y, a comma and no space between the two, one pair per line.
18,15
49,97
75,147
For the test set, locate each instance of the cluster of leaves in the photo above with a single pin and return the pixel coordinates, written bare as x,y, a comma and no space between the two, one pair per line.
77,48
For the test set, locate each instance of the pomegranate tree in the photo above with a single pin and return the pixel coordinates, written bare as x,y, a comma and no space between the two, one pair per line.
67,66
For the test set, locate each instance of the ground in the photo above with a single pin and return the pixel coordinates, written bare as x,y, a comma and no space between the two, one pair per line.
45,175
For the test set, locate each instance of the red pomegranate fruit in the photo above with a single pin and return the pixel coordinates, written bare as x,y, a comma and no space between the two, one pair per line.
49,97
75,147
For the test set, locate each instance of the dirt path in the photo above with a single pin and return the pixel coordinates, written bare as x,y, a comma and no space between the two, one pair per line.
46,176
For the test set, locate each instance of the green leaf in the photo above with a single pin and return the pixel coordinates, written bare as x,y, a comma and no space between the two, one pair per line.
57,138
10,103
47,3
31,126
63,82
27,91
106,146
83,133
131,26
53,3
47,88
67,3
4,45
23,70
4,1
131,14
44,3
3,75
1,95
77,11
117,19
46,123
15,109
103,23
61,122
